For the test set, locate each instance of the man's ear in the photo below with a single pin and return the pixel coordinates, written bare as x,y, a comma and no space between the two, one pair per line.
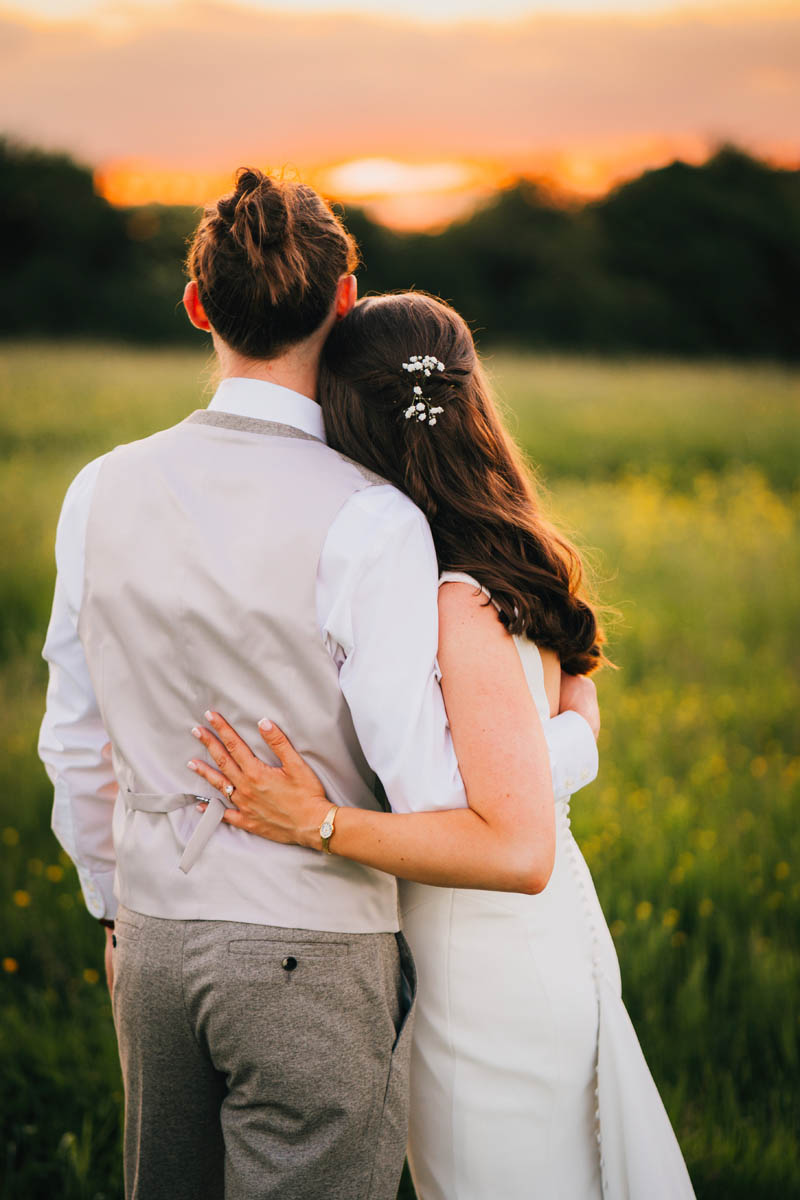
346,295
194,309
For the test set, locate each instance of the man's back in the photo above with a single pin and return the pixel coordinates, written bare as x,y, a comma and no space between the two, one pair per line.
270,1038
201,556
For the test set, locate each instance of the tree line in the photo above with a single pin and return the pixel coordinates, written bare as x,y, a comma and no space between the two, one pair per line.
691,260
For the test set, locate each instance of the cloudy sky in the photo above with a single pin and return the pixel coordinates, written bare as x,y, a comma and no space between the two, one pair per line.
437,97
430,10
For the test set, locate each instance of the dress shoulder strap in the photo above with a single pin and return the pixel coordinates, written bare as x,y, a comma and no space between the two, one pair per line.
460,577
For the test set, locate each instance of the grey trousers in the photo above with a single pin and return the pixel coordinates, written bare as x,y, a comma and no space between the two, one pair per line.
261,1063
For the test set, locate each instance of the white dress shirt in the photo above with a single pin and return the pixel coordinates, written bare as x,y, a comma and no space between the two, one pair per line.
376,599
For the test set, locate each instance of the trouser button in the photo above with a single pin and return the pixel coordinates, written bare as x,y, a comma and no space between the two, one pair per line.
289,963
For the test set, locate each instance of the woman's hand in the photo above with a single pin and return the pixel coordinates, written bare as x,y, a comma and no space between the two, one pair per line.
283,804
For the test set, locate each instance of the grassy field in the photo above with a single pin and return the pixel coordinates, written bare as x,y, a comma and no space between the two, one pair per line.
681,481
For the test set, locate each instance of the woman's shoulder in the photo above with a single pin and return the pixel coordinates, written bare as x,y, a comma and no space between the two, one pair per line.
478,588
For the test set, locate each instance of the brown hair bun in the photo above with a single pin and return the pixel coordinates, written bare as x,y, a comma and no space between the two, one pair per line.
255,213
267,260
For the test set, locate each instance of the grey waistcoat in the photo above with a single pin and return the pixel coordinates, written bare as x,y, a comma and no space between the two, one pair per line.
200,592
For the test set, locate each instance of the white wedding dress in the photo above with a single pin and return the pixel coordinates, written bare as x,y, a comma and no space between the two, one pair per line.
527,1079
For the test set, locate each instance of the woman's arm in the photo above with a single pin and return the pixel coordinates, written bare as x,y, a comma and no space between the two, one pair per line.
504,841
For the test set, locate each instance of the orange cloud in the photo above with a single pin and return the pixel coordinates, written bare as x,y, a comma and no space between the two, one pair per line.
202,87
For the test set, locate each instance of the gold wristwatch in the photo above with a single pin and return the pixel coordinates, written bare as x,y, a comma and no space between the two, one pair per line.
326,829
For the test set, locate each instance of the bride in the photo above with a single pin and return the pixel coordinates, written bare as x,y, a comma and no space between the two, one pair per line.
527,1078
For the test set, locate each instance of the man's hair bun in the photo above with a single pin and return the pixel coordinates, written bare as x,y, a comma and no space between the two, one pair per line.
255,213
267,259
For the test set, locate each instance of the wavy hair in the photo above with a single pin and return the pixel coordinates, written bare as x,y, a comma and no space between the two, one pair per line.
466,473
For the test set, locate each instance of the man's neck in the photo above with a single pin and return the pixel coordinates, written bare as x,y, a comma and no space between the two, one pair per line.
296,370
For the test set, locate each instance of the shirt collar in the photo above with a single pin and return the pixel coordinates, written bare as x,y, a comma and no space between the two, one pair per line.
266,401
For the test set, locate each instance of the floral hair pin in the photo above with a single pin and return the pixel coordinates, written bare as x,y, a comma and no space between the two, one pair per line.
421,407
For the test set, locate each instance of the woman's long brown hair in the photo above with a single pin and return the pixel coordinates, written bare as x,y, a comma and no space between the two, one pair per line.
465,472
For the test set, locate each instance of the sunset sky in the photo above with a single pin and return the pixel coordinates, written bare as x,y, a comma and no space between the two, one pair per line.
416,107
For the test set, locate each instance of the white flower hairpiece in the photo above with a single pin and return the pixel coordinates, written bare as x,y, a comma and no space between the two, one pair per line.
421,407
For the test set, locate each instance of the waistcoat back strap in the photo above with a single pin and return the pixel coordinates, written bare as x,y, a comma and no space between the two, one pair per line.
171,802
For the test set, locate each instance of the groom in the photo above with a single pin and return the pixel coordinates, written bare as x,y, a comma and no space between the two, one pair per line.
262,993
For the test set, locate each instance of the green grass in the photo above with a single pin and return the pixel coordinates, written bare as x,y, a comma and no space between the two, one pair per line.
681,480
596,420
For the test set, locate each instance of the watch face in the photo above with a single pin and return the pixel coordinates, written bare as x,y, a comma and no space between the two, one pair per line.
325,829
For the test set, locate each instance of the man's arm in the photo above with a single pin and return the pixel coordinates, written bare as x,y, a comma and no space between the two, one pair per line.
73,744
379,613
377,602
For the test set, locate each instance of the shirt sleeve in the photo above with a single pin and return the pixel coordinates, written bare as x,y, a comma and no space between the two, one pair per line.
73,745
573,753
377,600
377,589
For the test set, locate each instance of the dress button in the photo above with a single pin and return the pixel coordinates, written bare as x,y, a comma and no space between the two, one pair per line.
289,963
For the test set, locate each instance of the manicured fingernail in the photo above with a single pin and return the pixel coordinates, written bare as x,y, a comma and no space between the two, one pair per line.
196,732
192,765
265,724
210,716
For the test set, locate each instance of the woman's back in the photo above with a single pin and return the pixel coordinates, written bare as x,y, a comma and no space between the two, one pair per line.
504,1055
551,666
527,1078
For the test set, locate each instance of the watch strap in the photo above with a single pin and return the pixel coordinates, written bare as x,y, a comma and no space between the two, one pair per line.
326,829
